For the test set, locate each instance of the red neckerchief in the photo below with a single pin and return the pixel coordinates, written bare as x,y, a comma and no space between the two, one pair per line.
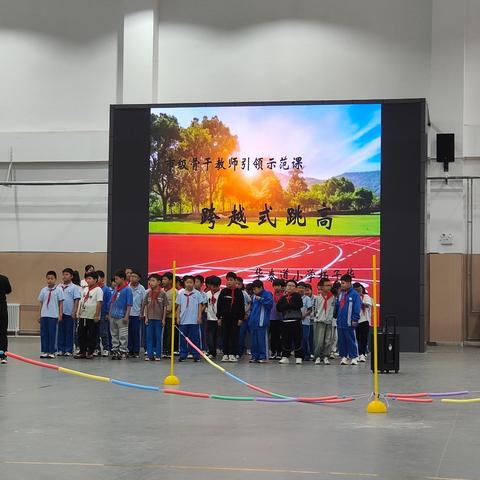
50,290
64,287
188,295
233,296
117,292
288,295
154,294
343,299
326,297
213,300
87,295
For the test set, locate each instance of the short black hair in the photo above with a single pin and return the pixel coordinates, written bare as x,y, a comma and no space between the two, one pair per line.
168,275
68,270
308,286
136,272
88,267
101,274
214,281
323,281
188,277
51,272
346,278
291,280
199,277
239,279
93,275
359,285
231,275
278,282
156,276
301,284
120,274
257,284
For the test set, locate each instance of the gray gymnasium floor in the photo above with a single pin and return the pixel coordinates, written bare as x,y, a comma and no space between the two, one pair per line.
59,426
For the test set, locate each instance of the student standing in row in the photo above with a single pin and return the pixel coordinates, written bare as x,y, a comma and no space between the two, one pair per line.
323,322
212,295
258,321
199,287
154,307
244,328
5,289
306,312
71,296
348,307
363,328
51,310
290,305
167,283
189,318
89,311
231,313
276,320
104,334
120,307
135,319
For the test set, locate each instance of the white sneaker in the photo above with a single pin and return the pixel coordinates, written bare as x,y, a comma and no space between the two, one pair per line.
326,361
44,355
51,355
284,360
362,358
354,361
232,359
344,361
298,361
4,361
106,353
59,354
225,358
318,361
262,361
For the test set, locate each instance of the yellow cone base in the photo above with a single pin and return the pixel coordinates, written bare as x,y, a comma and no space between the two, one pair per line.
171,380
376,406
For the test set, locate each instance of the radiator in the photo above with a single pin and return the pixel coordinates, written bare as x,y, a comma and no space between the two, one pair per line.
13,318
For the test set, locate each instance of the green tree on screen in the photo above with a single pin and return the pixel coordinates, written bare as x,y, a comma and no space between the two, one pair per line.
165,136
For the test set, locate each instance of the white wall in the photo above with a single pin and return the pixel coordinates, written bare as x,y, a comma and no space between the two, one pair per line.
64,62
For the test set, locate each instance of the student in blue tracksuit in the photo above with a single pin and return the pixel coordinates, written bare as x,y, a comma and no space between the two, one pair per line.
258,321
349,306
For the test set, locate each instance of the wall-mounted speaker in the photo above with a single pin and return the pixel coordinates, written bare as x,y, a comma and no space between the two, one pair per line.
445,149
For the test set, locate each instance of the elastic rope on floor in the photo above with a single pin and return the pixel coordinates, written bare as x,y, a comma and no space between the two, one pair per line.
241,381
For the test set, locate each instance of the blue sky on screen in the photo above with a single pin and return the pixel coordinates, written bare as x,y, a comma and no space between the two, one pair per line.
331,139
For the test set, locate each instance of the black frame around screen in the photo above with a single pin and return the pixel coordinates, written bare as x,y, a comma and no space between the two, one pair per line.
402,229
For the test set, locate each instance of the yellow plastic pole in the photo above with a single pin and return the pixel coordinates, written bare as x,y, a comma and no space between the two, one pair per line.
172,379
376,405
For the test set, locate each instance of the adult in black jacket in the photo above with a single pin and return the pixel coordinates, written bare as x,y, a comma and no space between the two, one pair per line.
230,314
5,289
290,306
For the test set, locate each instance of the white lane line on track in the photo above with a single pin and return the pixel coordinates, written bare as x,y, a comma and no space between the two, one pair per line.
200,265
307,247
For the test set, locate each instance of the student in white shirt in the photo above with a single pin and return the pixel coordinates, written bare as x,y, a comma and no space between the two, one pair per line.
89,310
323,330
213,284
306,311
363,328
